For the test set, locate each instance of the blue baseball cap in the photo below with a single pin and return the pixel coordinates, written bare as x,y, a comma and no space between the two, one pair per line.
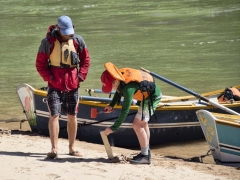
65,25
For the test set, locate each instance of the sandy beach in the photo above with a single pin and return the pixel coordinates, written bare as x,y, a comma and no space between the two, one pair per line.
23,156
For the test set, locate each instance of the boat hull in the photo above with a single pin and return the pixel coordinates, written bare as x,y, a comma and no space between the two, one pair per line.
174,122
222,133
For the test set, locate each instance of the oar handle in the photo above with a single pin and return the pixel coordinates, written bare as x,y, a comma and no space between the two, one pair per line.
145,70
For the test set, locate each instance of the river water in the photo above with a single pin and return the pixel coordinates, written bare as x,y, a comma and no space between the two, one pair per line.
193,43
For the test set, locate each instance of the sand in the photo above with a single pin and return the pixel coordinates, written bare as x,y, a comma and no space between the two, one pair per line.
23,156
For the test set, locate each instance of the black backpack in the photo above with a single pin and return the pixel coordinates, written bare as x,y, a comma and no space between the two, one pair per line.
149,87
228,94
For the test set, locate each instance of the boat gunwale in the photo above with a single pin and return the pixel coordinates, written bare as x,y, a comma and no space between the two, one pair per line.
162,106
227,122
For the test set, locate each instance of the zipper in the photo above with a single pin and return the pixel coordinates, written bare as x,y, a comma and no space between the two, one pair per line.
61,66
61,54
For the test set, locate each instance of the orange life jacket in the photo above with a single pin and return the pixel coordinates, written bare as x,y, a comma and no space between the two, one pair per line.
131,75
235,95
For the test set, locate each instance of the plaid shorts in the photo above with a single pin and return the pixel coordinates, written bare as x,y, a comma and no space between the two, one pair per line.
62,102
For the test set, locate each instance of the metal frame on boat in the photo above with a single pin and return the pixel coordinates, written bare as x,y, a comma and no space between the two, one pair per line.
176,118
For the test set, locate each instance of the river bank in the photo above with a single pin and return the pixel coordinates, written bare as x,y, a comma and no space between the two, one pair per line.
23,156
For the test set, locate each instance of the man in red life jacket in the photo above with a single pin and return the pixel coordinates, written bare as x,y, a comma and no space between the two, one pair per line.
63,61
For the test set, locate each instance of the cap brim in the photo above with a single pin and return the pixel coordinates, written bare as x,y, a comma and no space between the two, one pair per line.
67,31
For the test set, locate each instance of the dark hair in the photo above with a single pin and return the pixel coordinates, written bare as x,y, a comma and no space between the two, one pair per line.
54,32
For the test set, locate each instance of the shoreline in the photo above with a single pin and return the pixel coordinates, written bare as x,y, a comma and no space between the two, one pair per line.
23,156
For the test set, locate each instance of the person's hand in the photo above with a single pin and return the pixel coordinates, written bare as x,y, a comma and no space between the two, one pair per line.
108,131
50,80
80,78
108,109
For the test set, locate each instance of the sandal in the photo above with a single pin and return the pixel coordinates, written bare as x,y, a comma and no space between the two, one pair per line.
52,155
75,153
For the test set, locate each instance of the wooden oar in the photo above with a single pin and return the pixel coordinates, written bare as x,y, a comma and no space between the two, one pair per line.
191,92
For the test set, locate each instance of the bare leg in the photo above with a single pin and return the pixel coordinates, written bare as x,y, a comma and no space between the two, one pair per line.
53,126
72,131
148,132
142,132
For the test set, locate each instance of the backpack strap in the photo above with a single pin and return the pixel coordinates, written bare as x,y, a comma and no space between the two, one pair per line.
149,87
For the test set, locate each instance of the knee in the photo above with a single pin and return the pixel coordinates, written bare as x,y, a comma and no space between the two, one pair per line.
71,118
136,125
53,118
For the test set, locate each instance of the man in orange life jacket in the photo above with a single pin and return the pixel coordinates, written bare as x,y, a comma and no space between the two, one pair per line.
129,83
63,61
